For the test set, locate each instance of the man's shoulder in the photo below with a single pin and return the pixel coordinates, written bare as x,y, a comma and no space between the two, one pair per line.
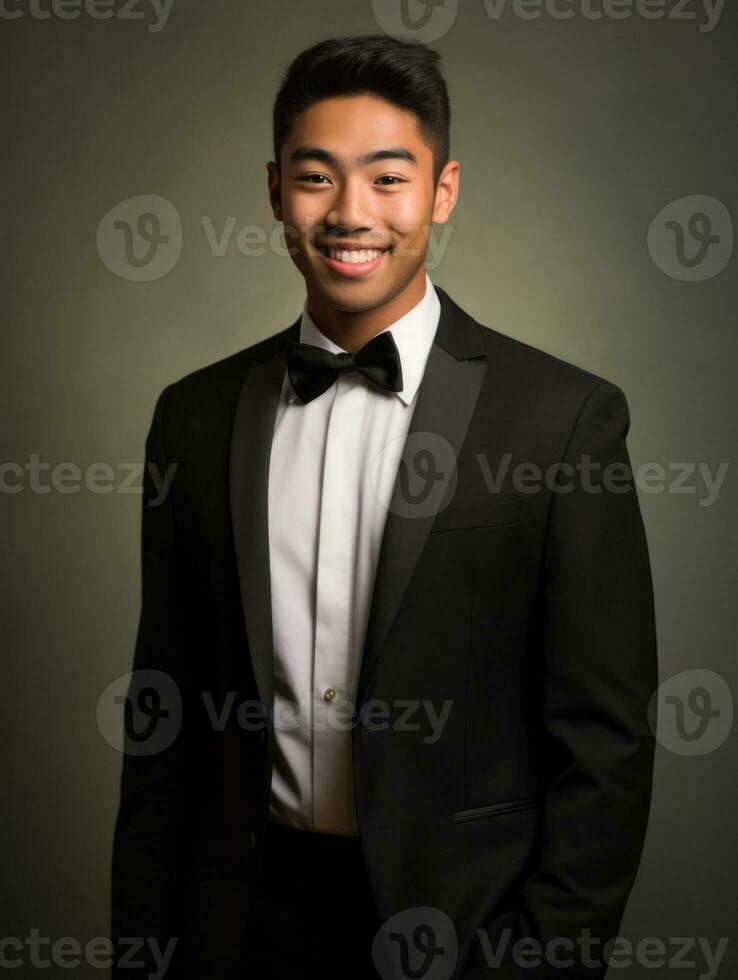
537,365
533,382
516,364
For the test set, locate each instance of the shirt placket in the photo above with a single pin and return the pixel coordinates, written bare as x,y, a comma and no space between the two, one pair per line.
331,714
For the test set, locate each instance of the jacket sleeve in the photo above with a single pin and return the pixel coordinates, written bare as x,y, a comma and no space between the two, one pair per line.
599,670
155,791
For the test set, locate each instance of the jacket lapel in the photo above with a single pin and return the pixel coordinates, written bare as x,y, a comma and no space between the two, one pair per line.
446,400
445,404
251,443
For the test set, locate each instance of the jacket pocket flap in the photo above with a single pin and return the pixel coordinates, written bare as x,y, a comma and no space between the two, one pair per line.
495,809
486,515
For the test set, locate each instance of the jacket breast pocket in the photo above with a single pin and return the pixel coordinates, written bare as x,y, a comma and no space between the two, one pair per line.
497,809
496,514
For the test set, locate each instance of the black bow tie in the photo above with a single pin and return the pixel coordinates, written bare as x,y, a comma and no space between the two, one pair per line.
313,370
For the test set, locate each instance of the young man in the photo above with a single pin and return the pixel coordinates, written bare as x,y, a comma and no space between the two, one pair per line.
401,586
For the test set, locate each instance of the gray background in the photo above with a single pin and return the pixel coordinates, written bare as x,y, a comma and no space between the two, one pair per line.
572,136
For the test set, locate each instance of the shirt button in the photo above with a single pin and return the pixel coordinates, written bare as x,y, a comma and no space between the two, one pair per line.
329,694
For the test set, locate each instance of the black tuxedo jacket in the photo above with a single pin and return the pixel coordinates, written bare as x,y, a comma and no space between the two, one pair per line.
530,609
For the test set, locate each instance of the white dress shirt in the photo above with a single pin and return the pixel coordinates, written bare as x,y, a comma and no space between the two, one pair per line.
330,482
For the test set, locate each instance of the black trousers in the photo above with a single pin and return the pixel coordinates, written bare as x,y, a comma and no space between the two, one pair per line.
314,915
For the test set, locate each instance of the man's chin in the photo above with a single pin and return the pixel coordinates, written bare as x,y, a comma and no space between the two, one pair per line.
355,295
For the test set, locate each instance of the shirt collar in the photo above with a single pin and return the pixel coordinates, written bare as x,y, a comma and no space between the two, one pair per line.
413,335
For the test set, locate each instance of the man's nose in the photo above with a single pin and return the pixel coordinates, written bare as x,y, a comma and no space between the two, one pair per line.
351,207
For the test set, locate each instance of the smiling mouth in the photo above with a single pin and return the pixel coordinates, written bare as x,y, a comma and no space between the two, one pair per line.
351,256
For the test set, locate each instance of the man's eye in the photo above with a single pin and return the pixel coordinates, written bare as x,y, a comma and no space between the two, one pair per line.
395,180
313,178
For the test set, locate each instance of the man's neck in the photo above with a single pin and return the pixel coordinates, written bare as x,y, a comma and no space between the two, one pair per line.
349,330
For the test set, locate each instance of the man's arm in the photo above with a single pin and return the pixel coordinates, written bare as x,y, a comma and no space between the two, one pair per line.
599,670
155,795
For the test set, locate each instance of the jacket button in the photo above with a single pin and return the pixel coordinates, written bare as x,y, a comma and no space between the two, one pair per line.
329,694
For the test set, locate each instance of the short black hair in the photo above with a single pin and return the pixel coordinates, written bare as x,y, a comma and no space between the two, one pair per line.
405,73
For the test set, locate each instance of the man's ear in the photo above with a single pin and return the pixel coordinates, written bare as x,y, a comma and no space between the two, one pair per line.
275,190
447,192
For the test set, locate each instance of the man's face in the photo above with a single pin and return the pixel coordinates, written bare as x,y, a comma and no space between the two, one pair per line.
357,198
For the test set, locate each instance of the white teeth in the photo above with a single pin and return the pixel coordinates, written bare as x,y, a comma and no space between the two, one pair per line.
354,255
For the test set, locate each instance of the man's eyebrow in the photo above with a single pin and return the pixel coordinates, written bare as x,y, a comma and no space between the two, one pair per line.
325,156
391,153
